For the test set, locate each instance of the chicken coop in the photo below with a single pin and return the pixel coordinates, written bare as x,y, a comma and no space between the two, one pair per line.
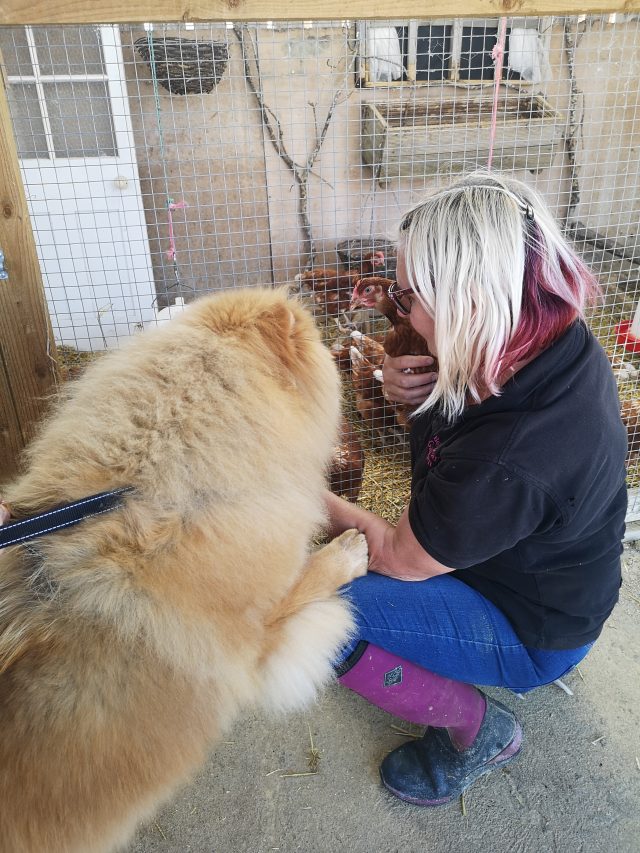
144,163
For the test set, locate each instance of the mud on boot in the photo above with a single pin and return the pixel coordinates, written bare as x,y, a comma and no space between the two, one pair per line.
432,772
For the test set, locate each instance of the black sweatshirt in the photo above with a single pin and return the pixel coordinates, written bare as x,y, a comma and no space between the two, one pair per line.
525,496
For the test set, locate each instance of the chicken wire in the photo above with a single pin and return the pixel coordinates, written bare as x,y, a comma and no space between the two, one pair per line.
165,161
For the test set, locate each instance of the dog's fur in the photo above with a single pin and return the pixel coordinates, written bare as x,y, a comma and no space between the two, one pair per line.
129,642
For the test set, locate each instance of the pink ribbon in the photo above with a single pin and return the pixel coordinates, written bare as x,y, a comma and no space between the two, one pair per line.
497,54
171,206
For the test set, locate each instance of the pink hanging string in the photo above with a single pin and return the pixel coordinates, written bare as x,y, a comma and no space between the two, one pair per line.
497,54
171,206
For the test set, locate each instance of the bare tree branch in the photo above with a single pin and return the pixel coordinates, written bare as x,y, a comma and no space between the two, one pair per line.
274,131
574,126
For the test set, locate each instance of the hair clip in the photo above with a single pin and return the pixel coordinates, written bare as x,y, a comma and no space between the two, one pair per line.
528,212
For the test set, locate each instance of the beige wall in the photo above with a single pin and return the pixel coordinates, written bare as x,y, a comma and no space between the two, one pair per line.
242,224
213,160
608,69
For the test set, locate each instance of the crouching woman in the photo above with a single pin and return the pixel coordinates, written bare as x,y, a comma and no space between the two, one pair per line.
506,562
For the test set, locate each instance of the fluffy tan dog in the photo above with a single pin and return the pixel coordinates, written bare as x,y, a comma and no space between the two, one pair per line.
129,642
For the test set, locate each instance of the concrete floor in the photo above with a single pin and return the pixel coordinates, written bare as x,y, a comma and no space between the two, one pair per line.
575,788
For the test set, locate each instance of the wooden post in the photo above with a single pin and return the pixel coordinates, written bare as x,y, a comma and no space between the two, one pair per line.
28,369
125,11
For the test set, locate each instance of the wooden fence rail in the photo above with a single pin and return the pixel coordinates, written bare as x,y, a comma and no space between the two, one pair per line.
125,11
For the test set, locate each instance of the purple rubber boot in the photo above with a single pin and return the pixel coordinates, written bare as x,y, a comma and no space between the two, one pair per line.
480,735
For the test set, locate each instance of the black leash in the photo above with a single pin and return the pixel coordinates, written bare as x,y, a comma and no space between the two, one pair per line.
18,532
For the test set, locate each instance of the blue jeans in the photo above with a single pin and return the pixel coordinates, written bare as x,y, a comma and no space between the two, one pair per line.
447,627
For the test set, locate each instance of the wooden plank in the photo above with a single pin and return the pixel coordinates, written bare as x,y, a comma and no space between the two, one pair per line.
373,136
11,440
27,348
125,11
430,144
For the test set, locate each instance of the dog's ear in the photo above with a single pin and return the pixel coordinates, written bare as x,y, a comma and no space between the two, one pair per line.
241,309
278,327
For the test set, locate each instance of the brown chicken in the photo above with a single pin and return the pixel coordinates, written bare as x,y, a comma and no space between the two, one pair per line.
369,263
340,350
369,345
630,412
401,339
331,288
377,413
347,466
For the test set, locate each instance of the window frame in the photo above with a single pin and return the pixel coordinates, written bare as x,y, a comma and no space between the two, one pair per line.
542,25
38,79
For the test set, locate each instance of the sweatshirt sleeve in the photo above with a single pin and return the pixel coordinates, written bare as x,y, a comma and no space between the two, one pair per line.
465,511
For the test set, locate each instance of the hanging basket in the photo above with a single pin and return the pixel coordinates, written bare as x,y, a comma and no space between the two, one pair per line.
183,66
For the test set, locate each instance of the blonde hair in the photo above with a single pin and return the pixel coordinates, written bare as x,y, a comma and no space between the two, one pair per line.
488,263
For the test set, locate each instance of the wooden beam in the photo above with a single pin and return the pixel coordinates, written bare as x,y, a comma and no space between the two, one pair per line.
11,440
125,11
27,349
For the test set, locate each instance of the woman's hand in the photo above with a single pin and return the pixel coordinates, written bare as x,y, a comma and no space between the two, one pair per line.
402,385
393,551
396,553
344,515
379,534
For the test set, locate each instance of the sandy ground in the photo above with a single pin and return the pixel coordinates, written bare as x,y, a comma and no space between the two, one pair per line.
576,786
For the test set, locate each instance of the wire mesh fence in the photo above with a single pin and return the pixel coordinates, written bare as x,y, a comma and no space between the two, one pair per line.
165,161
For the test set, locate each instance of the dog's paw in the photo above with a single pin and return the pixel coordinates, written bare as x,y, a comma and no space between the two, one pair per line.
354,551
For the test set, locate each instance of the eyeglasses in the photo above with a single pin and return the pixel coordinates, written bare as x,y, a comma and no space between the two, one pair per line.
401,298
